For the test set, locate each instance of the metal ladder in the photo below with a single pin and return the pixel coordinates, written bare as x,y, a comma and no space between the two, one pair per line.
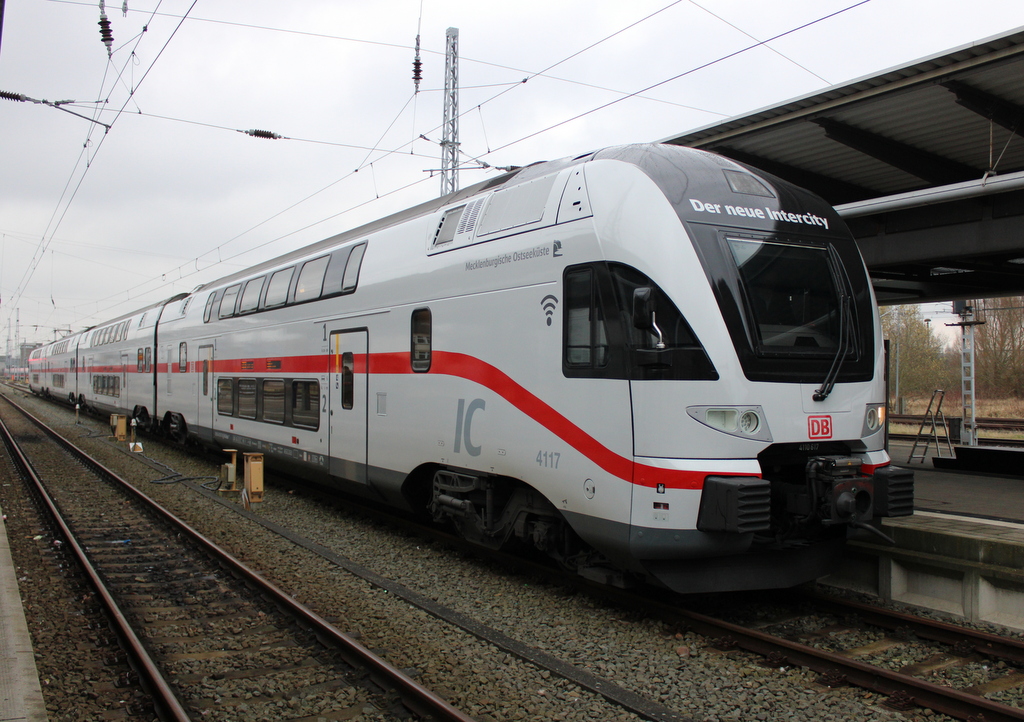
934,418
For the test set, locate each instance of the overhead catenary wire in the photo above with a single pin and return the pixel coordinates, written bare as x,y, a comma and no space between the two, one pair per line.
44,242
683,74
490,151
342,38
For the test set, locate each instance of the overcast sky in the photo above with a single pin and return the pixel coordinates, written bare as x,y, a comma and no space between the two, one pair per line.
96,222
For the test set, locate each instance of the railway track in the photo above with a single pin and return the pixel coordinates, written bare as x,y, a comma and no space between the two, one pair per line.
983,422
911,662
786,638
205,636
805,630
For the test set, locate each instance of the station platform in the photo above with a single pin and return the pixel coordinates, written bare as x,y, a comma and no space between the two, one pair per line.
962,552
20,695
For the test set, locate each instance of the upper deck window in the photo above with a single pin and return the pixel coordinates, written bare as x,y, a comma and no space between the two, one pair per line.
355,262
208,311
277,291
311,279
227,303
251,295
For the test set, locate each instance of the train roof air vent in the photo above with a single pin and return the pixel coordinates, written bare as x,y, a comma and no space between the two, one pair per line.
468,220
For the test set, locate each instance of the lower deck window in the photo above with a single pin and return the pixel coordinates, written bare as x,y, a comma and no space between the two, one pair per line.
225,396
306,404
269,400
105,385
247,398
273,401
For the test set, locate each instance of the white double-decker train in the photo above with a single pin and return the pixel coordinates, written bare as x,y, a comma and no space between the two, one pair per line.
647,360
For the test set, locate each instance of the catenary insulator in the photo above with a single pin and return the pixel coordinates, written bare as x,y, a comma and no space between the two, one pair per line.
12,96
106,34
417,66
263,134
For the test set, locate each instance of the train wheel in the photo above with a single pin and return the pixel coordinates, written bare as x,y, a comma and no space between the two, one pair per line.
175,427
141,416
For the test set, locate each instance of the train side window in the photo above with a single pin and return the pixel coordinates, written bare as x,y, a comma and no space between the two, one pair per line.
306,404
355,261
676,332
227,303
311,279
273,401
225,396
149,359
140,363
348,377
335,276
681,355
251,295
247,398
277,290
586,337
208,312
421,340
446,229
182,357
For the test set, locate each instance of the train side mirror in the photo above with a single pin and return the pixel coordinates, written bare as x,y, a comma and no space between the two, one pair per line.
643,308
644,313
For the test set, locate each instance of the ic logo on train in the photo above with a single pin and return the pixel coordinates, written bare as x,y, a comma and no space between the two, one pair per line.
819,427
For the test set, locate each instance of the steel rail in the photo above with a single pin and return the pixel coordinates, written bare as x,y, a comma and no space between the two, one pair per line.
150,677
877,679
992,645
416,697
983,422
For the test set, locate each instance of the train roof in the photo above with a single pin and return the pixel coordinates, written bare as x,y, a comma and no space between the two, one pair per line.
657,160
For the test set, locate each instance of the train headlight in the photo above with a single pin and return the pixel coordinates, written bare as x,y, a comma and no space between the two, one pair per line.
744,421
874,418
750,422
721,419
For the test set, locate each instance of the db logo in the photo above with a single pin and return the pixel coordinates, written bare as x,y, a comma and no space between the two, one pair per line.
819,427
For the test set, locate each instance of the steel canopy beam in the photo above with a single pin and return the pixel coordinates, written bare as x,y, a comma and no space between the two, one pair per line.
926,166
1007,114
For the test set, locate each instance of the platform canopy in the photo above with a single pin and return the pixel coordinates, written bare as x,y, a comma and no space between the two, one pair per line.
924,161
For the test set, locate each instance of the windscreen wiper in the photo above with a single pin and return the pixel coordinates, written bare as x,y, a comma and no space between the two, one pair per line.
845,328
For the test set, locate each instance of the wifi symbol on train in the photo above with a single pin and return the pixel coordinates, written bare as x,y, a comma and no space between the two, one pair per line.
549,303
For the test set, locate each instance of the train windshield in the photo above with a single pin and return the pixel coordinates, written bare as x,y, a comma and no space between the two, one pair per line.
791,294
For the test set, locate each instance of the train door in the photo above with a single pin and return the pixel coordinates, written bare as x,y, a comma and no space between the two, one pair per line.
90,386
349,383
207,397
169,369
124,378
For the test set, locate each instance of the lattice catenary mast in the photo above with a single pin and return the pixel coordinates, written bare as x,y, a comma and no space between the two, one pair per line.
450,139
